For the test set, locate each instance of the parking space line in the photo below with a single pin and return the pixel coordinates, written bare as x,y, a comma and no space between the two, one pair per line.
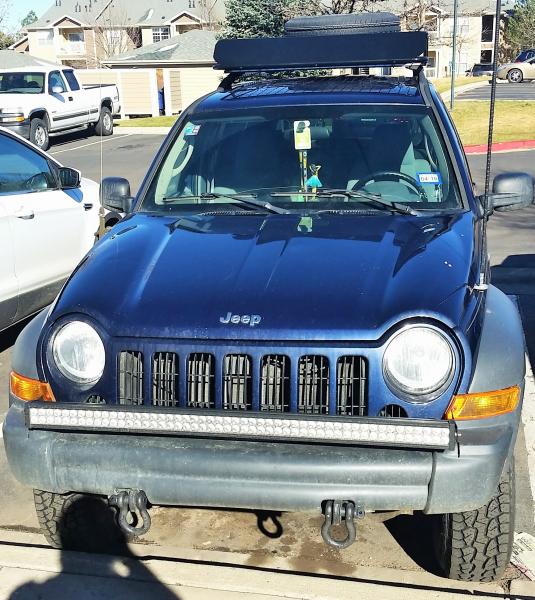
110,139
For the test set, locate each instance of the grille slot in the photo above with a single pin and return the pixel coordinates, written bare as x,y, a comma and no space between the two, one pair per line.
275,383
237,384
201,376
313,385
130,378
351,378
165,379
392,410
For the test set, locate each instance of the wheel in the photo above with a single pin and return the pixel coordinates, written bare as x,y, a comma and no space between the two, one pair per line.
39,133
78,522
515,76
476,545
104,125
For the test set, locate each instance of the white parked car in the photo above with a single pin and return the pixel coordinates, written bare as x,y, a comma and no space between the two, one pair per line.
48,219
38,101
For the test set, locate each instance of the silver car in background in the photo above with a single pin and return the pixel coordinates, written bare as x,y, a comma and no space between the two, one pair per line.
517,72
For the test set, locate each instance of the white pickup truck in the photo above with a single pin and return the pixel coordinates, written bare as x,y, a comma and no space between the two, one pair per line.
36,102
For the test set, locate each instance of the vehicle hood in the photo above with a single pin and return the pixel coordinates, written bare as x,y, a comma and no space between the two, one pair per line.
332,277
10,101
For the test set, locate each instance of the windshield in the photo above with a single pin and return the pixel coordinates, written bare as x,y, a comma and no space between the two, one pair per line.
22,83
306,158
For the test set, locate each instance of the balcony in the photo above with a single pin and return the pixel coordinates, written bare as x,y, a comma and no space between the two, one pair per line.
72,49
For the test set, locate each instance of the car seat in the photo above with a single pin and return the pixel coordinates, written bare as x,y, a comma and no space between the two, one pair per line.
391,150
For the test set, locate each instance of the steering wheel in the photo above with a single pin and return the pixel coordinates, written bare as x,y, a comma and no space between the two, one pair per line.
393,176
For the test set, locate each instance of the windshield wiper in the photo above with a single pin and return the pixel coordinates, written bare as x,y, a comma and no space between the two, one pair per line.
376,198
246,199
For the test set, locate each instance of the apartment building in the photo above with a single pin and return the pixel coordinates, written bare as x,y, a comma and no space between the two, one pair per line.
85,33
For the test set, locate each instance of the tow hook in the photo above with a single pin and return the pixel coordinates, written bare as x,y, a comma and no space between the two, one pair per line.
338,512
132,503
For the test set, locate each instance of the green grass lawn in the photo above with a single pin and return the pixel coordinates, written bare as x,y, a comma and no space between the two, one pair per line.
514,120
443,84
147,122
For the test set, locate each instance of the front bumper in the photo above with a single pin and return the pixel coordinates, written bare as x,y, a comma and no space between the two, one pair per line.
260,474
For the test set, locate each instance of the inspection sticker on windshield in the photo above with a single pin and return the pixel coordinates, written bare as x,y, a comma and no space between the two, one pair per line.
433,178
302,137
191,129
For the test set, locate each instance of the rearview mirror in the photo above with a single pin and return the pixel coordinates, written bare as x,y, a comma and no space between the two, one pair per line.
115,194
57,89
69,178
511,191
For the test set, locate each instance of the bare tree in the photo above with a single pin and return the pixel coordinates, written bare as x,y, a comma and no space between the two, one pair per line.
114,33
207,14
5,6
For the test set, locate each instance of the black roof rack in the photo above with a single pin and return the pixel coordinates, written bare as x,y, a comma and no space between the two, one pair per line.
289,53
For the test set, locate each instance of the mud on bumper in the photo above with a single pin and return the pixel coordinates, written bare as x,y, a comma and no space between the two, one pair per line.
262,474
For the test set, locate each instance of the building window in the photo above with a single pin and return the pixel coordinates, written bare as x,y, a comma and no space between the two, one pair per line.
431,23
486,56
464,26
191,4
75,36
45,37
487,28
160,33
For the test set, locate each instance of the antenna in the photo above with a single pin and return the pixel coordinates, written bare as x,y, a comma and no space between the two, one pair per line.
484,267
492,97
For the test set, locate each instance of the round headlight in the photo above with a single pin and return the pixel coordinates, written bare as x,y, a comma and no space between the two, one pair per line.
418,361
79,352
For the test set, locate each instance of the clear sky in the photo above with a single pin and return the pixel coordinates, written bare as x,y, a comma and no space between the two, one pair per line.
18,9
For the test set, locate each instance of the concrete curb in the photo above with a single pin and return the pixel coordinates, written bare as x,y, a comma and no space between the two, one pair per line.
463,88
514,146
206,577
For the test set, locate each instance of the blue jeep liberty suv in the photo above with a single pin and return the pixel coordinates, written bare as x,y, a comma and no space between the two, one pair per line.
295,314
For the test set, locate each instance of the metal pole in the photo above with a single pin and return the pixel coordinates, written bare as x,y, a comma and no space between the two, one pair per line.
454,52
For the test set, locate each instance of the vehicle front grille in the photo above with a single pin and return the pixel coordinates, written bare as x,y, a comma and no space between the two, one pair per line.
237,392
311,384
131,378
275,390
200,380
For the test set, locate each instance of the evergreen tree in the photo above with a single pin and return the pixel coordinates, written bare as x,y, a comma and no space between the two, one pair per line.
261,18
6,40
520,29
30,18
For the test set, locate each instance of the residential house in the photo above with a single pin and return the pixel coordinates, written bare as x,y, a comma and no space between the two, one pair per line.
85,33
475,30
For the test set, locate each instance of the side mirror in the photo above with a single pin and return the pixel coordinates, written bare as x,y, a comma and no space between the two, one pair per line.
511,191
69,178
56,89
115,194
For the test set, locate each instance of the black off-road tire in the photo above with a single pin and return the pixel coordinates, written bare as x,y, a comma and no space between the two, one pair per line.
79,522
39,133
476,545
104,125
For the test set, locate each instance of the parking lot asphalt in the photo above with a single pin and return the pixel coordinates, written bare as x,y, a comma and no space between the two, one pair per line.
123,155
292,541
504,91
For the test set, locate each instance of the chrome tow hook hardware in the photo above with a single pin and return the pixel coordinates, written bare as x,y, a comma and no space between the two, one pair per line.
133,503
338,512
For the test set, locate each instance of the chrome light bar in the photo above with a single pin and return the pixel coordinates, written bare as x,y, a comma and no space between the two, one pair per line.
437,435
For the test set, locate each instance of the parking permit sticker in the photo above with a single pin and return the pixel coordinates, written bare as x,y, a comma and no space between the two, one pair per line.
302,137
433,178
191,129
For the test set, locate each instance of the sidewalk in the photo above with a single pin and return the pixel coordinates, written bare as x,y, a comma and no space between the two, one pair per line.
29,571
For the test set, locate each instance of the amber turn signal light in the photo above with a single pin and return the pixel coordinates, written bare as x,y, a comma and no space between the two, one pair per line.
28,389
484,404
